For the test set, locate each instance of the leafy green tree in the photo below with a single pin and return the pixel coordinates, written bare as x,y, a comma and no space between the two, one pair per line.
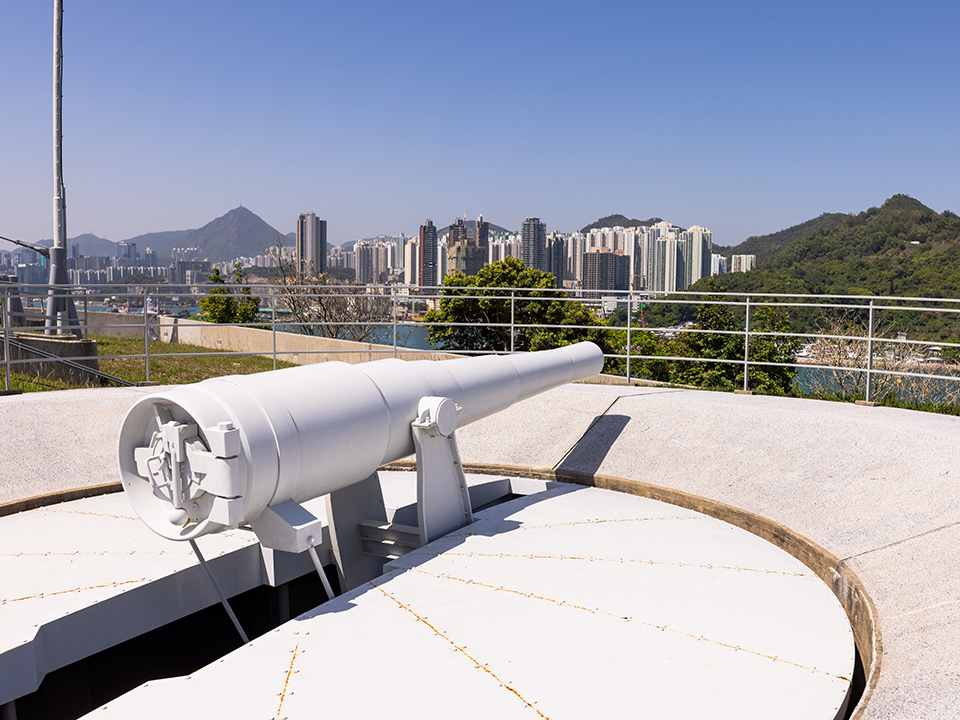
724,341
474,315
642,342
224,304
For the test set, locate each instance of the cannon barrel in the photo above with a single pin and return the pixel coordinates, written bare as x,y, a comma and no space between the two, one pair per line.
200,458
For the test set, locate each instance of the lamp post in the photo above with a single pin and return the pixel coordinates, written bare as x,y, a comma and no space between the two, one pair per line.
61,311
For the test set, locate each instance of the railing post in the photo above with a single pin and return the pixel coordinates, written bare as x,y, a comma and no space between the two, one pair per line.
870,355
513,294
5,309
629,326
273,325
146,337
393,299
746,350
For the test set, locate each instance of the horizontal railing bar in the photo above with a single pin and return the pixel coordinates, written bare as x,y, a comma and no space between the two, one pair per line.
405,303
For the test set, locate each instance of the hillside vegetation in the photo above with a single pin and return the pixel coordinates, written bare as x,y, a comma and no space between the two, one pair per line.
901,248
766,246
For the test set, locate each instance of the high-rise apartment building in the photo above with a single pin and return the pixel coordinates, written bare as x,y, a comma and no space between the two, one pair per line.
631,248
411,262
668,264
457,246
429,267
718,264
697,251
340,258
555,257
399,247
311,243
604,269
742,263
533,243
465,250
502,249
576,247
482,232
373,262
443,259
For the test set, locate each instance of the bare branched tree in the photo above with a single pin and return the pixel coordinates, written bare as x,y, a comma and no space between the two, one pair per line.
324,306
845,349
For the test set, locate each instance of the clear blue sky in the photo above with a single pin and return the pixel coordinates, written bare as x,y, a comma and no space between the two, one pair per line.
746,117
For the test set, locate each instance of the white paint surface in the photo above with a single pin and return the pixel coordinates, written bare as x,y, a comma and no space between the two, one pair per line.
573,603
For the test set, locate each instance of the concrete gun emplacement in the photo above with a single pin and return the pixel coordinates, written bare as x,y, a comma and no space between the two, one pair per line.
241,450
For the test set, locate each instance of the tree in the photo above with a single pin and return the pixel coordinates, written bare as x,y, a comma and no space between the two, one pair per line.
235,304
474,312
323,305
642,342
717,335
844,350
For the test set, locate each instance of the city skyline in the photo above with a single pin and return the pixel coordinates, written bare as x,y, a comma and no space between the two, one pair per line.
747,119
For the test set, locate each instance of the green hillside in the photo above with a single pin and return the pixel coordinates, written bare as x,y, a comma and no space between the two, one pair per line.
900,248
766,246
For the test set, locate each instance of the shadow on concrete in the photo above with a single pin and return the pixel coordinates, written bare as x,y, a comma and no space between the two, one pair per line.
591,450
494,520
583,460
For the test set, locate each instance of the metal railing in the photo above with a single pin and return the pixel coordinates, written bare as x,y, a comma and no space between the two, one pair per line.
389,321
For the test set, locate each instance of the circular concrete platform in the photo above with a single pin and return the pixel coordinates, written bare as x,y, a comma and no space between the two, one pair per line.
569,603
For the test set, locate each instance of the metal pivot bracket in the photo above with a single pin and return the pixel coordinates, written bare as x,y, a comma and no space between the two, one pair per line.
287,526
443,501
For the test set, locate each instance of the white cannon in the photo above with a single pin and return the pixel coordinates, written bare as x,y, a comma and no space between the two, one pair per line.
249,449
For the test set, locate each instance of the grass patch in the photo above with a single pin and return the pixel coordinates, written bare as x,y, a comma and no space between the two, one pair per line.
176,370
31,383
889,400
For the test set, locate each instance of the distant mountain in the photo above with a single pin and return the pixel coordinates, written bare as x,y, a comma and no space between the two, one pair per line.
766,246
90,245
239,233
610,221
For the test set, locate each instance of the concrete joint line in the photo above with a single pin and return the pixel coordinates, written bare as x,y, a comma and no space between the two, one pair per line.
899,542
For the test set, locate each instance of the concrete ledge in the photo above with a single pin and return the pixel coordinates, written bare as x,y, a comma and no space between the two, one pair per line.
100,322
604,379
81,352
291,347
60,496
